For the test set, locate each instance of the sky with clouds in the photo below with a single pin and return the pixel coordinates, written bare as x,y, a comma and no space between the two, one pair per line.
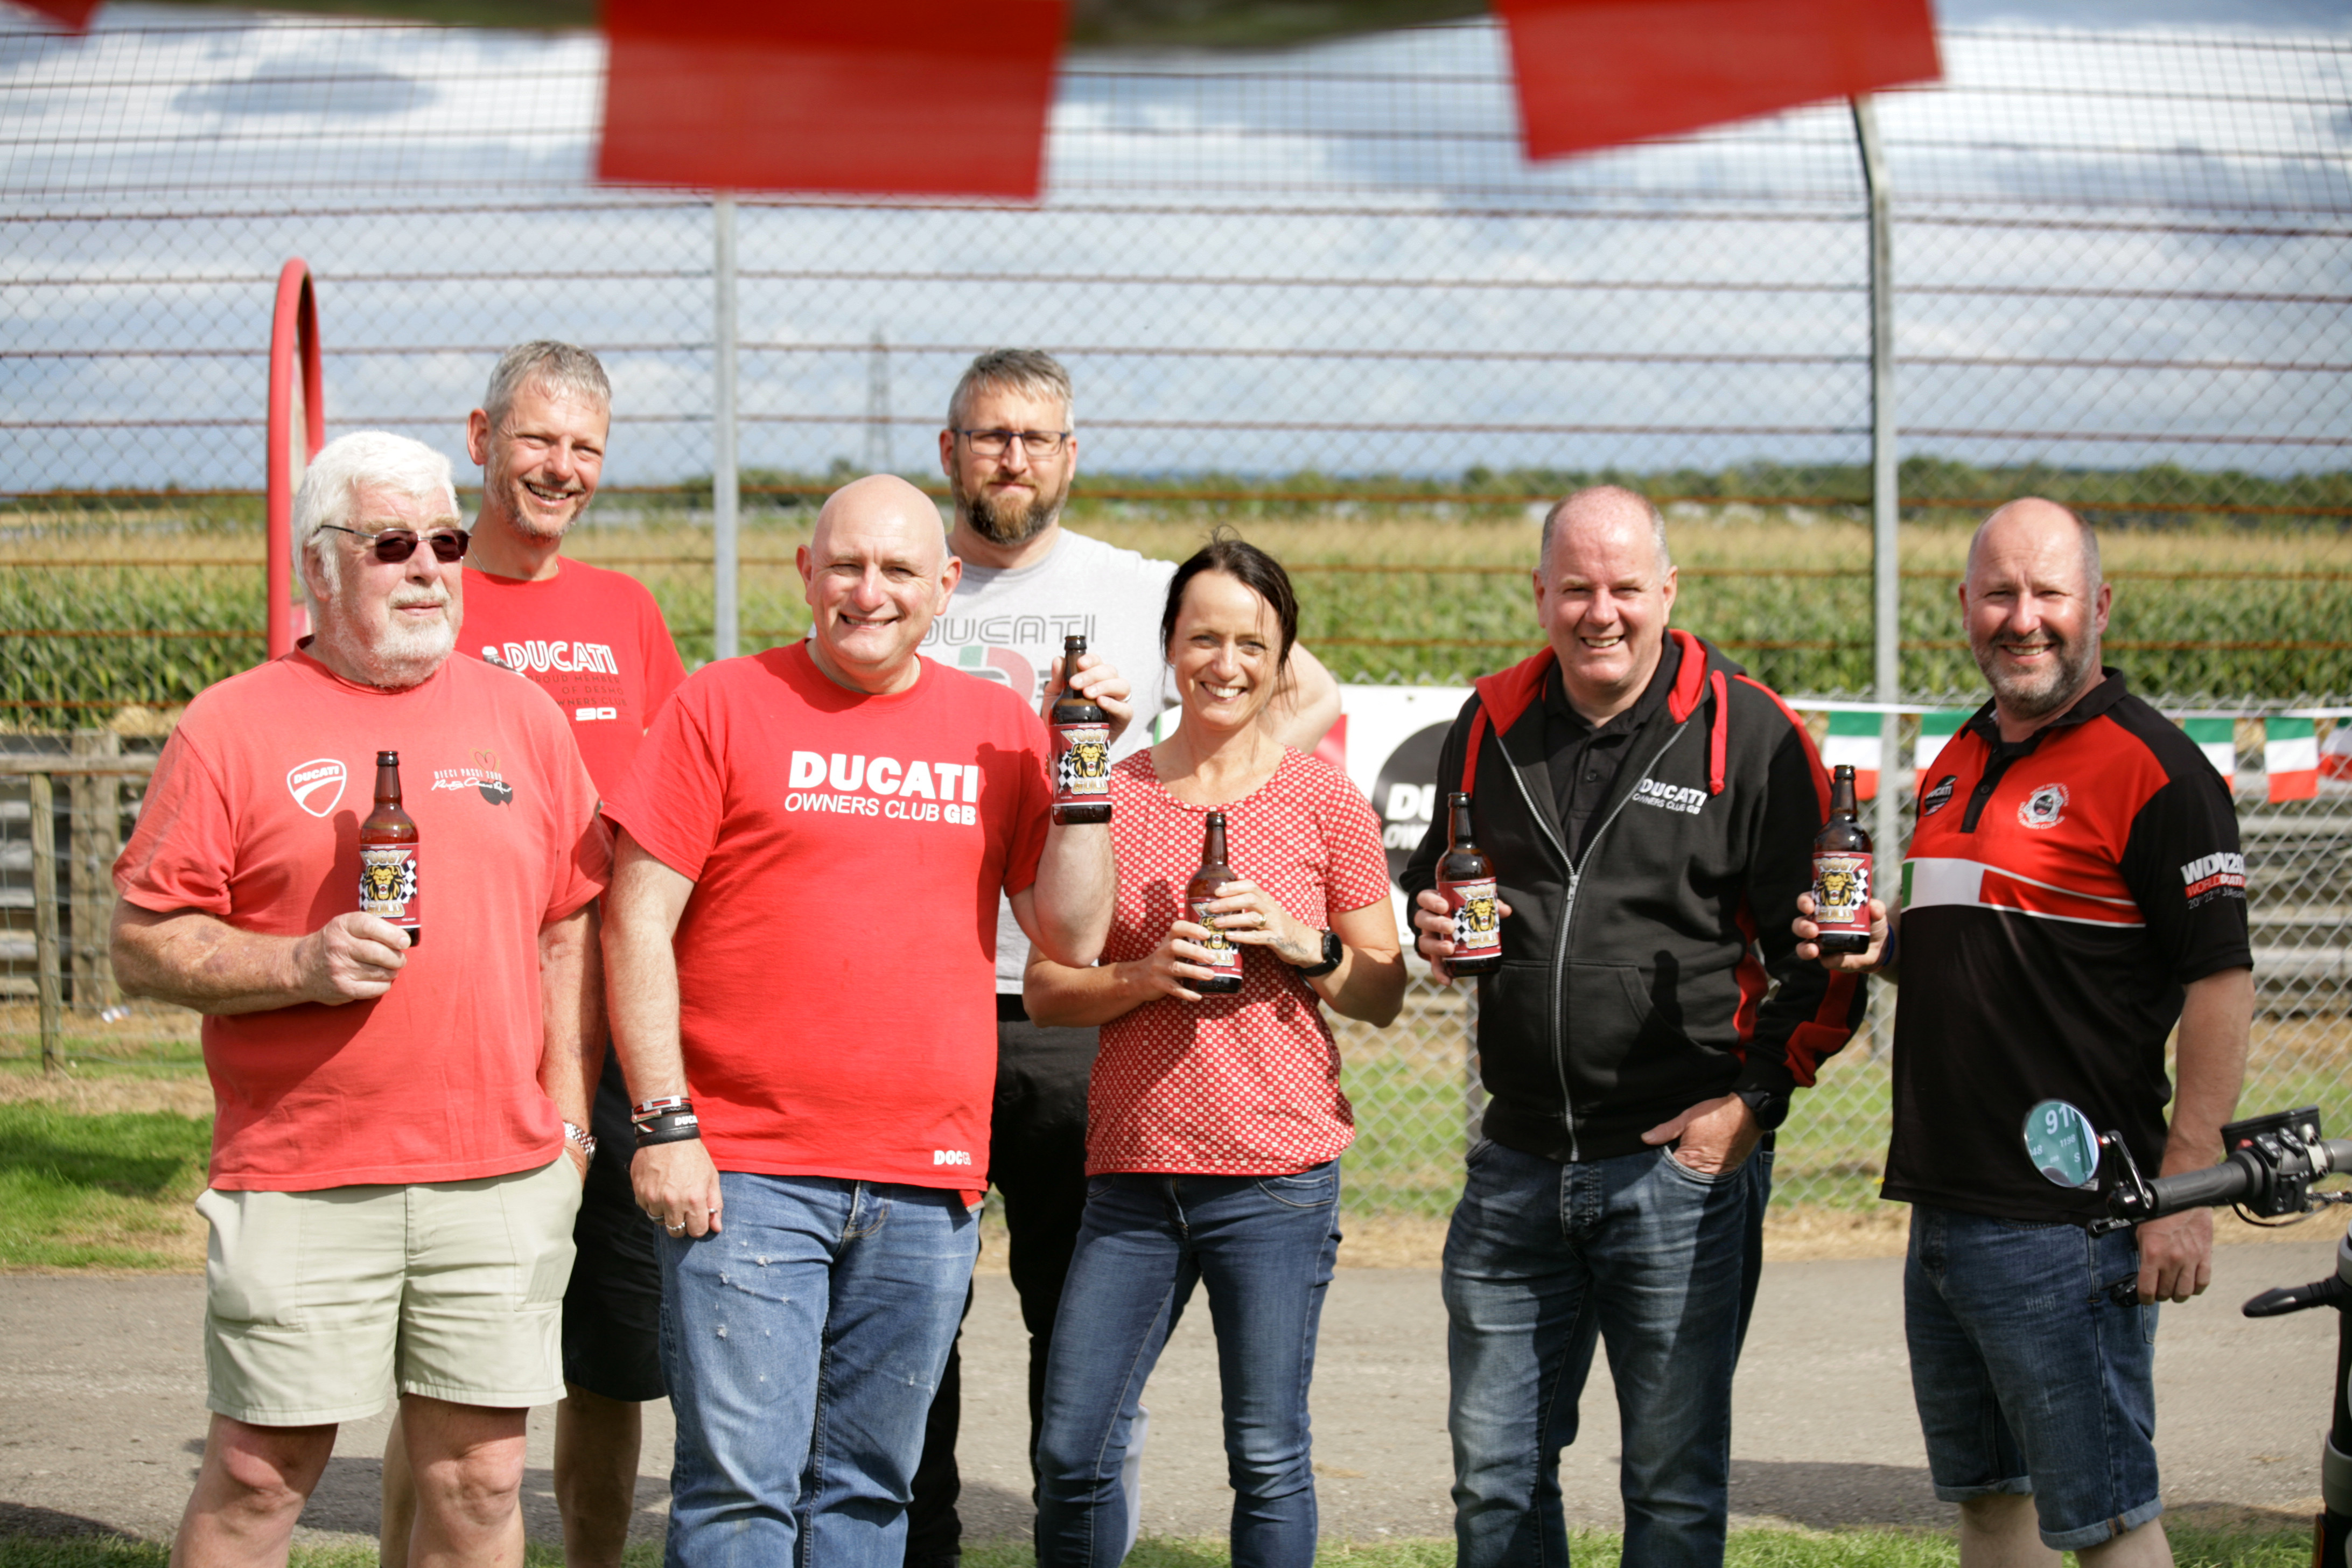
2122,238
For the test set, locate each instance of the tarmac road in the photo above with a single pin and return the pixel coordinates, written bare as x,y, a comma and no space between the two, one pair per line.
103,1416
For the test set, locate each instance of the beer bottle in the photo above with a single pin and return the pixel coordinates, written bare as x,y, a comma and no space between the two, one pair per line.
1465,880
1199,894
1841,873
1081,749
388,856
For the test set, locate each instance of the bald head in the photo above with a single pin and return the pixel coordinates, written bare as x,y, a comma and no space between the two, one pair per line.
875,573
2034,608
883,502
1605,506
2031,517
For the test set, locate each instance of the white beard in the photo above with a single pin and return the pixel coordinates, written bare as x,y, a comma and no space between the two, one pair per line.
401,656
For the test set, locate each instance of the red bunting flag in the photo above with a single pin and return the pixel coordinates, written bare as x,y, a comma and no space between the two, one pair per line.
1592,73
928,97
72,14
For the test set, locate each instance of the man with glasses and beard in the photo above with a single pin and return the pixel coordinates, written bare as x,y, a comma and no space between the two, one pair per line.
400,1129
1010,451
2074,889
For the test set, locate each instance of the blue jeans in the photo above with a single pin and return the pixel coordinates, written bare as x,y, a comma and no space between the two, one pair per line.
802,1345
2028,1373
1265,1247
1651,1259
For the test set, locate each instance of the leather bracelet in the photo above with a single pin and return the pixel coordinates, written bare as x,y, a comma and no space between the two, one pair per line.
660,1106
670,1127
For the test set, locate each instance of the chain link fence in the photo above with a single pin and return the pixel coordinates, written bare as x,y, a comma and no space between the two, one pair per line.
1318,295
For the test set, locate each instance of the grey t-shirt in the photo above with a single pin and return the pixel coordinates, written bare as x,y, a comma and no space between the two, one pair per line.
1009,626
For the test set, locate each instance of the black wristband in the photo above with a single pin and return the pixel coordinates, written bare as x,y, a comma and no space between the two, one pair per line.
1333,951
671,1127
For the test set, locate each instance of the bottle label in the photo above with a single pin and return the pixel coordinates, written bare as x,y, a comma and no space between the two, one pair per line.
388,883
1223,956
1841,892
1081,763
1477,917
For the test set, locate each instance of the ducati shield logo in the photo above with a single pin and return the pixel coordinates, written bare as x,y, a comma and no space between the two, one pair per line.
317,785
2045,807
1935,799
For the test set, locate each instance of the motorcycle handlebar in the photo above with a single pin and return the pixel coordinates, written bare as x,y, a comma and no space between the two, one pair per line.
2235,1180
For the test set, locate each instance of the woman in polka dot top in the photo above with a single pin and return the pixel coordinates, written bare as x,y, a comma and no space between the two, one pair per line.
1214,1123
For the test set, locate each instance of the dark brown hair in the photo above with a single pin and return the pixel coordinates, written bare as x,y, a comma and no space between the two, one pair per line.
1246,564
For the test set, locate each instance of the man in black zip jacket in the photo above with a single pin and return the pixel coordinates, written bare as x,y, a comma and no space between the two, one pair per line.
1648,811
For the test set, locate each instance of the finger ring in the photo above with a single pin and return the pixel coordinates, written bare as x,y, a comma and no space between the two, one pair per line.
676,1226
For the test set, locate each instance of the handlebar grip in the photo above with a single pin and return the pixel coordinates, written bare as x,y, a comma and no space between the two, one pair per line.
2327,1292
2228,1182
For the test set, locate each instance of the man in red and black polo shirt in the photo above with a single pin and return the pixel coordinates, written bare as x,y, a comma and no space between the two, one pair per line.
2073,888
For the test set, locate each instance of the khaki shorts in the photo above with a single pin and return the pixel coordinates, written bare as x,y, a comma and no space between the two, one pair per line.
318,1305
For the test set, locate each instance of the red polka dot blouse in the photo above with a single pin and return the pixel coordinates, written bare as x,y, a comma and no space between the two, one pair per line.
1246,1085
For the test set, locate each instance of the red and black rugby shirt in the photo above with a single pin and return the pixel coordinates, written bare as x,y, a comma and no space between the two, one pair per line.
2057,896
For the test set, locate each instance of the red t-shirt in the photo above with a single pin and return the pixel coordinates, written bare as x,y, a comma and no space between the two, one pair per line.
253,817
593,640
836,961
1246,1085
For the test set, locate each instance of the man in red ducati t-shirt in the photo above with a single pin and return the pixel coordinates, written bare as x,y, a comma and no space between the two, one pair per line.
595,641
801,956
390,1198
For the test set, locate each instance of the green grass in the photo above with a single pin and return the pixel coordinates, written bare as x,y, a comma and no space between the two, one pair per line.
96,1191
2192,1548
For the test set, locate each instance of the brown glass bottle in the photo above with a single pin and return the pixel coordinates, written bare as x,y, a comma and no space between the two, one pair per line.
1198,893
1841,873
388,856
1081,749
1465,880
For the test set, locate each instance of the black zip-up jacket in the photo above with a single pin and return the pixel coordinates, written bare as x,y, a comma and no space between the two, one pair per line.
1659,971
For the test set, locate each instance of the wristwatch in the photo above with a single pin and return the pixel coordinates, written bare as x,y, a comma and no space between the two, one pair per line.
1771,1106
1333,950
575,1133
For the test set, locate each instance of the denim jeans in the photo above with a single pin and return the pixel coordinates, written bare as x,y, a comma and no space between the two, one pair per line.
2029,1375
1265,1247
1651,1259
802,1345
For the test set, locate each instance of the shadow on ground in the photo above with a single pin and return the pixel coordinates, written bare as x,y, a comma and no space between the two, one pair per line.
1828,1496
20,1521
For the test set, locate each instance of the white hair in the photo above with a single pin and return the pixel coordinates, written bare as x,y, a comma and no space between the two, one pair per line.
370,459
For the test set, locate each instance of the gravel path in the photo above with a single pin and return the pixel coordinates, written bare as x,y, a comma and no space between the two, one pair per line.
102,1417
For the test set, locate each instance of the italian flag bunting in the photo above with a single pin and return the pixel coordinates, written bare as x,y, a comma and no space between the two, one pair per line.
2217,739
2291,758
1935,730
1853,743
2335,752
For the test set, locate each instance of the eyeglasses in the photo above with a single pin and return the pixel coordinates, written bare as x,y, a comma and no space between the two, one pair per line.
1036,443
394,545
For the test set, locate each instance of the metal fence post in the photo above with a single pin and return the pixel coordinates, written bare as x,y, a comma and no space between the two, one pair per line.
1886,519
44,824
723,492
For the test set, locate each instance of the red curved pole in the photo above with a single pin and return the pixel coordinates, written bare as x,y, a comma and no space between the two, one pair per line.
293,347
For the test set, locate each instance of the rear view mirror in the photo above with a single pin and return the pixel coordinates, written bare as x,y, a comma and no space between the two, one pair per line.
2062,1145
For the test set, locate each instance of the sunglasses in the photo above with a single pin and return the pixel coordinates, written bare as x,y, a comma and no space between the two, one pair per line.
394,545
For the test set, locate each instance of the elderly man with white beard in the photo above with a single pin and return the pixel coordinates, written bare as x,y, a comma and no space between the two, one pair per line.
399,1140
